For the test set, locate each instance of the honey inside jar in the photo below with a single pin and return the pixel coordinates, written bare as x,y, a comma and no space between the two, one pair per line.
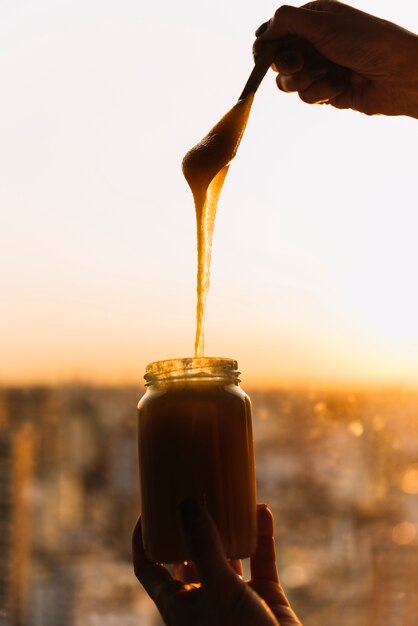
195,441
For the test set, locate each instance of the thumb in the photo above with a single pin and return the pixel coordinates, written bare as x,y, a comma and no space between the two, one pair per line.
204,545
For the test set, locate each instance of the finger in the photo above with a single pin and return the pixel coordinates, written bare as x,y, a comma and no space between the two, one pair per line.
330,5
156,580
302,80
323,91
321,29
206,551
301,57
290,23
290,56
302,22
310,22
263,561
288,62
264,576
262,29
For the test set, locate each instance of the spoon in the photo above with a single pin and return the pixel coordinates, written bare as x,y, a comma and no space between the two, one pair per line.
262,64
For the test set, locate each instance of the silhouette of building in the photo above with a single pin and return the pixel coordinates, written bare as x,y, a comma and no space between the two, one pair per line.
16,472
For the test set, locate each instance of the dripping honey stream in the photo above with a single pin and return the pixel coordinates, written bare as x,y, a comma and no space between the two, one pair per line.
205,167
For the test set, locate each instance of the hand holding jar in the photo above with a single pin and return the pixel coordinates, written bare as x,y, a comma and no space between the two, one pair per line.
211,591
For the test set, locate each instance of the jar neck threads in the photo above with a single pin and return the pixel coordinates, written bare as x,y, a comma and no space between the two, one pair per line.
201,368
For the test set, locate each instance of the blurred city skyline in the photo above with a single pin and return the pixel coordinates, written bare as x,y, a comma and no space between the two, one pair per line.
339,471
314,257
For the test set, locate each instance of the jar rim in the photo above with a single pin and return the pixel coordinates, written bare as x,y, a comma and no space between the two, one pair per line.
191,367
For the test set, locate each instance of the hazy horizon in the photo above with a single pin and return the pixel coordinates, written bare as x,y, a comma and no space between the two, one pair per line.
314,256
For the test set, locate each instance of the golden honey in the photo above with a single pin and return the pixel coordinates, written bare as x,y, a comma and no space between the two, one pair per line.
195,441
205,167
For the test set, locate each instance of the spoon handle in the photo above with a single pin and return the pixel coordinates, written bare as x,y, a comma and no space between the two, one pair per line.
264,60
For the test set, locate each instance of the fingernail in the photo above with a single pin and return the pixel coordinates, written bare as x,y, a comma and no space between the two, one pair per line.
262,505
262,29
190,513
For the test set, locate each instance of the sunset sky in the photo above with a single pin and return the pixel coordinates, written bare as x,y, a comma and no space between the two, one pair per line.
315,250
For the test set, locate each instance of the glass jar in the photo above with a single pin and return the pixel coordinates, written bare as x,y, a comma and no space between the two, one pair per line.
195,441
